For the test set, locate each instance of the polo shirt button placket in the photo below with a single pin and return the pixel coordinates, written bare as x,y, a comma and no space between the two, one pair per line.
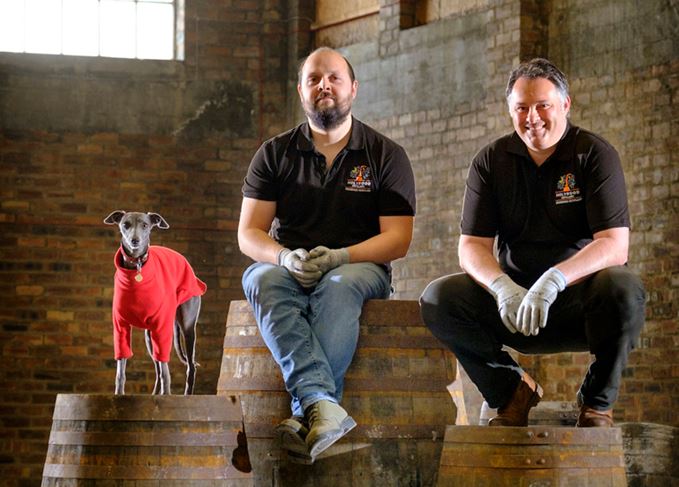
319,166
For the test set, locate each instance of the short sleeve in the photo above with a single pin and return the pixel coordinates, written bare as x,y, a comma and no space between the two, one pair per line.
260,181
479,216
397,188
606,194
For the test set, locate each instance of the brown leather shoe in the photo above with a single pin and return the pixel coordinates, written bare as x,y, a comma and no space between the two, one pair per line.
591,418
515,412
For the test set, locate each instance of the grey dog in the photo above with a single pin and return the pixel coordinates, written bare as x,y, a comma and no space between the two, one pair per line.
156,290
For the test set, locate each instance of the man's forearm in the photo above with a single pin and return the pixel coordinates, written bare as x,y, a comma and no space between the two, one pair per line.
609,248
477,260
258,245
381,248
393,241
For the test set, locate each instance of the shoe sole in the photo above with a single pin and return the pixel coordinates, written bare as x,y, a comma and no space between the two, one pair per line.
324,442
289,439
300,458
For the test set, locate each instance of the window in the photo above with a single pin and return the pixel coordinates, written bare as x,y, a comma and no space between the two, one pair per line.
144,29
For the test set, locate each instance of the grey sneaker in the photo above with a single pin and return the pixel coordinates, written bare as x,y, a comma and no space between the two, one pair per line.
328,422
291,434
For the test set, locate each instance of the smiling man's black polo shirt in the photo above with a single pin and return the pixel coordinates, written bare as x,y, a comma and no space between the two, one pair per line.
544,214
370,177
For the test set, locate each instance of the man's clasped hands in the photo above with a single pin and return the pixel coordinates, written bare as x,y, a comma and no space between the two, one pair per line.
526,310
307,267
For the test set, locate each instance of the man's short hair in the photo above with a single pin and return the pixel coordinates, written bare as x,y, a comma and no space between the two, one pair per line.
322,49
539,68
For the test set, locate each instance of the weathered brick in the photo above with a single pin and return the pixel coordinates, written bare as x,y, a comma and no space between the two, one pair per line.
439,92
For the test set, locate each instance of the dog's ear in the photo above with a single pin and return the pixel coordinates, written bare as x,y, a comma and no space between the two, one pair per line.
114,218
158,220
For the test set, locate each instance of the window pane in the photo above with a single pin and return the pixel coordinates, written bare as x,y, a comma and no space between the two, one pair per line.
116,28
117,33
81,27
12,25
155,32
43,26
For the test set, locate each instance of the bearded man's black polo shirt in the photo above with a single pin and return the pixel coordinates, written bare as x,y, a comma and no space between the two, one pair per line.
370,177
544,214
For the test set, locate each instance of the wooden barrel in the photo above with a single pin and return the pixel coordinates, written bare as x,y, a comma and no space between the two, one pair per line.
534,455
651,454
395,389
146,440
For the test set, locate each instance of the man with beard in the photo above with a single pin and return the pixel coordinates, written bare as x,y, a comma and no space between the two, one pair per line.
326,207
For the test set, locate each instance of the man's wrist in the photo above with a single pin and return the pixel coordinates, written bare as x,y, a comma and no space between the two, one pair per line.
281,255
557,277
345,257
498,283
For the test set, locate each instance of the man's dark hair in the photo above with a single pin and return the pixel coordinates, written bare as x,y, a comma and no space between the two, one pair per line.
539,68
321,49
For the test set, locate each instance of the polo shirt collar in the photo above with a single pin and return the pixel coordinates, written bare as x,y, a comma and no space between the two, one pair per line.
356,139
517,146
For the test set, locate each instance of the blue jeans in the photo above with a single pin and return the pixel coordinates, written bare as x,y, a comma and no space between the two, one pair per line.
312,333
602,314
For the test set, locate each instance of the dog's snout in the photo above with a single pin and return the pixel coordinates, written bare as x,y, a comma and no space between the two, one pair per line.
134,241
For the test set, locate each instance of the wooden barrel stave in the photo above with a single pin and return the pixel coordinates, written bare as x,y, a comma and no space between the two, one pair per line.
510,456
395,389
139,440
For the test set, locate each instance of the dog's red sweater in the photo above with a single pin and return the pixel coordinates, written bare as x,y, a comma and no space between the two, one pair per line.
167,281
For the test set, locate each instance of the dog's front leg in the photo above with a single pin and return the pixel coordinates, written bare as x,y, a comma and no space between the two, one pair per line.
157,386
120,376
165,379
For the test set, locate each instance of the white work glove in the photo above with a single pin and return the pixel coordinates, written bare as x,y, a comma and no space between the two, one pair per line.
508,296
534,309
298,265
327,259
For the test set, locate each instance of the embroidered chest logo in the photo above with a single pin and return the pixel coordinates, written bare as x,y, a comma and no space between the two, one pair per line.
360,179
567,190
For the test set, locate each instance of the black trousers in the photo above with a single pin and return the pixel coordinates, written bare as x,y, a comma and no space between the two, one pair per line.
602,314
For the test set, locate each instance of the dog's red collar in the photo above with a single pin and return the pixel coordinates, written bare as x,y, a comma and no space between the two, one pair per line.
136,262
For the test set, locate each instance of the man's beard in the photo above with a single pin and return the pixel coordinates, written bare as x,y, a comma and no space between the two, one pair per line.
327,118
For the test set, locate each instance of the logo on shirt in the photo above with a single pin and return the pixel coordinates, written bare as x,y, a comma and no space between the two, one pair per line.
360,179
567,190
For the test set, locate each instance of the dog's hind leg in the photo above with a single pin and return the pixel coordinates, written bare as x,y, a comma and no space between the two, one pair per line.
185,324
120,376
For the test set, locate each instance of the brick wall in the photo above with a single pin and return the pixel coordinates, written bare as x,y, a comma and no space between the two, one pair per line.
81,137
623,63
446,101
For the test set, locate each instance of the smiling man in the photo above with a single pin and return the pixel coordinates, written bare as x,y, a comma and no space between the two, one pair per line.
326,207
552,197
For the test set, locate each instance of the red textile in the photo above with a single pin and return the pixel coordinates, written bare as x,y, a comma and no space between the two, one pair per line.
167,281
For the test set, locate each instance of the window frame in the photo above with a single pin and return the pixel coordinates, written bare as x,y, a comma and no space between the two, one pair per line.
178,36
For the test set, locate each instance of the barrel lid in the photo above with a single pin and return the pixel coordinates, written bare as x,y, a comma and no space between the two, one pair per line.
109,407
532,435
